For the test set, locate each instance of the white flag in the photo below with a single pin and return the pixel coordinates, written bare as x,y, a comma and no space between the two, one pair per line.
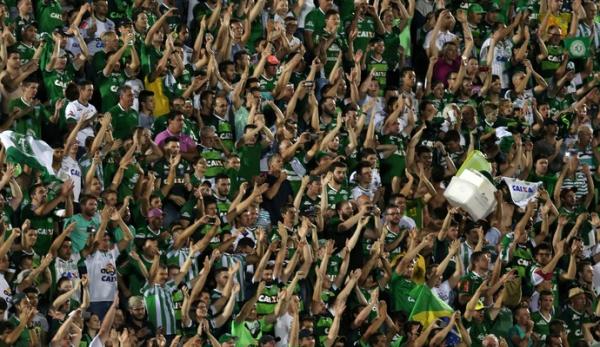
521,192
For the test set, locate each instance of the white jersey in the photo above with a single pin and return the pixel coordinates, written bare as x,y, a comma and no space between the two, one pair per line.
68,268
5,293
70,168
102,274
500,60
73,46
442,38
76,110
282,329
94,42
308,6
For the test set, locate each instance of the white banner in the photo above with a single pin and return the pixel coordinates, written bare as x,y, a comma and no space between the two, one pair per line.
521,192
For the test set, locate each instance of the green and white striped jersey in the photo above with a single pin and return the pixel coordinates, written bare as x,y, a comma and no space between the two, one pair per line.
178,256
159,305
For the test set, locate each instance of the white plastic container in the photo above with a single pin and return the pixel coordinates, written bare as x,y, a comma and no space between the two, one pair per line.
472,192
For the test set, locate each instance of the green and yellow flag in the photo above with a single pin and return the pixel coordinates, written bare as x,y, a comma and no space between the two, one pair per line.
428,306
475,161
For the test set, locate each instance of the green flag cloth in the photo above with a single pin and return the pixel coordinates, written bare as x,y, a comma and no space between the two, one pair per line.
27,150
578,47
475,161
428,306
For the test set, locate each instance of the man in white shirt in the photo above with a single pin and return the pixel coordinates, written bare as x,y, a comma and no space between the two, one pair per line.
97,24
100,261
445,34
82,108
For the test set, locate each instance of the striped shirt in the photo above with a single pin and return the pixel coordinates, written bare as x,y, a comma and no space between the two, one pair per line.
590,31
227,260
579,182
179,256
501,57
158,301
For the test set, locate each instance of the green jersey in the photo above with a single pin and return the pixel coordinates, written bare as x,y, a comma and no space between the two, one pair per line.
135,277
549,65
379,68
160,307
267,84
521,258
56,82
477,331
45,226
315,22
24,339
26,52
181,83
541,325
391,237
366,31
31,122
162,167
394,164
250,160
339,45
124,122
131,176
247,333
214,161
400,288
469,283
109,91
267,300
223,205
574,321
49,14
83,230
224,130
335,196
149,57
323,324
392,46
346,9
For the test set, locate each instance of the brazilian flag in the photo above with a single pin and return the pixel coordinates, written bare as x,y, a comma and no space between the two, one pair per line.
428,307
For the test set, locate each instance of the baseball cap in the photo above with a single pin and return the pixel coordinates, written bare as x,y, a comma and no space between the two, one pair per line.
480,306
573,292
272,60
155,212
29,24
17,298
476,8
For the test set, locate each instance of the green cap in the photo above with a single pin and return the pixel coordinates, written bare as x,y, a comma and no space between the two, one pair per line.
226,338
506,144
476,8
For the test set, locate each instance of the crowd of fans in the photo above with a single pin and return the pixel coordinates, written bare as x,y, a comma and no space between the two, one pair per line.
272,172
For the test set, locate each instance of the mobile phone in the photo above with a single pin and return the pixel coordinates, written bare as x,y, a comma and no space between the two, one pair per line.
212,220
308,84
